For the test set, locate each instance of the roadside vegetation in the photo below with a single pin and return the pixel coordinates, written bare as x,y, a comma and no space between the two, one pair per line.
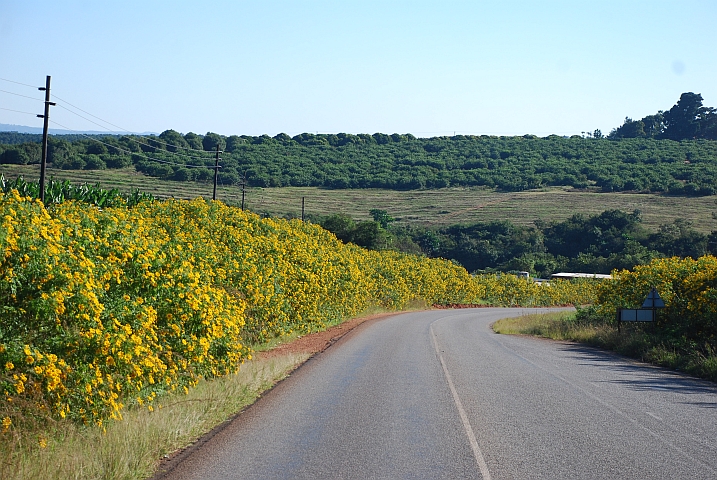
106,311
684,336
132,449
573,241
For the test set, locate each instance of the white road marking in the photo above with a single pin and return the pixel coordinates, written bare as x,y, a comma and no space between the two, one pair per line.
654,416
482,465
617,411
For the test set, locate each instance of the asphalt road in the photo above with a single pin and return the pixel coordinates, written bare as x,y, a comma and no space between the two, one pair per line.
438,395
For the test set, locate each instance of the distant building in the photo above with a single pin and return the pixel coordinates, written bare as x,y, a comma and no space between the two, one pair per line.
568,276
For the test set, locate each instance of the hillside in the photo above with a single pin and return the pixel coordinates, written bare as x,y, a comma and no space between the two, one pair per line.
396,162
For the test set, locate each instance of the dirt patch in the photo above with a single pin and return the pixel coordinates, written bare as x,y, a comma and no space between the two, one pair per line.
319,341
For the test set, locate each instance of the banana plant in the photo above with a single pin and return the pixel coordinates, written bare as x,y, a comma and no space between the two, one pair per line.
59,191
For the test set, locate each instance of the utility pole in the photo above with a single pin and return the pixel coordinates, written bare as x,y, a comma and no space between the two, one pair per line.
46,116
216,174
243,187
302,208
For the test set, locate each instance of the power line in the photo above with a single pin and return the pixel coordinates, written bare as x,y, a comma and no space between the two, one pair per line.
16,111
19,83
104,127
132,139
127,131
24,96
124,150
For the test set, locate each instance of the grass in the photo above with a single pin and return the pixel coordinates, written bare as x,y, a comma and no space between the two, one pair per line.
639,341
438,208
132,448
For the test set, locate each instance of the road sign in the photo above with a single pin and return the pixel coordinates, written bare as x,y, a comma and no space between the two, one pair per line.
653,300
636,315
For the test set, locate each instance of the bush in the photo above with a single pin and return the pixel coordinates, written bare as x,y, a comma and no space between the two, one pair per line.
94,162
14,156
117,161
114,306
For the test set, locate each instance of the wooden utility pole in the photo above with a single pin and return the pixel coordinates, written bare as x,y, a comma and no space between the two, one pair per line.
302,208
46,116
216,174
243,187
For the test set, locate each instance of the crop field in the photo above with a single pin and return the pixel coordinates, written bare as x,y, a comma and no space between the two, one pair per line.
440,207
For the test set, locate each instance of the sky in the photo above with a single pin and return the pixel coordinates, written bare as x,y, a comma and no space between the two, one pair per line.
429,68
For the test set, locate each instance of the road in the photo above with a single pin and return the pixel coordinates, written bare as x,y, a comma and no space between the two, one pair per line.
437,394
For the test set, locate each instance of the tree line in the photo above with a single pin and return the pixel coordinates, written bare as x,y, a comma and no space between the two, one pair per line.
597,243
688,119
677,157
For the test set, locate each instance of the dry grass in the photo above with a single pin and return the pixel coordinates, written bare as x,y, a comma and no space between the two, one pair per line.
549,325
132,448
638,341
419,207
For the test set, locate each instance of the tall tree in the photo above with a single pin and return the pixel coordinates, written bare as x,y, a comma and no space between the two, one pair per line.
682,121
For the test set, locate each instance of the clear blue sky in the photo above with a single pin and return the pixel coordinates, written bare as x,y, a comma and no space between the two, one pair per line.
429,68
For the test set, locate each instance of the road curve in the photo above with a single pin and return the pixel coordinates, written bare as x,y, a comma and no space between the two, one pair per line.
437,394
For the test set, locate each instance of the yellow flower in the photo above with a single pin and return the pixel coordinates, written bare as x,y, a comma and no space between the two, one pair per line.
9,366
6,423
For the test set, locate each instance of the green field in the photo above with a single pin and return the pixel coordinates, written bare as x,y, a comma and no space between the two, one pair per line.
425,207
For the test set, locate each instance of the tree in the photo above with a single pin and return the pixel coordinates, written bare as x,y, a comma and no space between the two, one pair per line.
679,239
654,125
369,235
682,121
283,138
194,140
93,162
382,217
174,140
212,140
14,155
96,148
340,225
233,143
629,129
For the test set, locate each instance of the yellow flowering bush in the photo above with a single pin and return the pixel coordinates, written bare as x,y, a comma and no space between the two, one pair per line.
687,286
510,290
104,307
